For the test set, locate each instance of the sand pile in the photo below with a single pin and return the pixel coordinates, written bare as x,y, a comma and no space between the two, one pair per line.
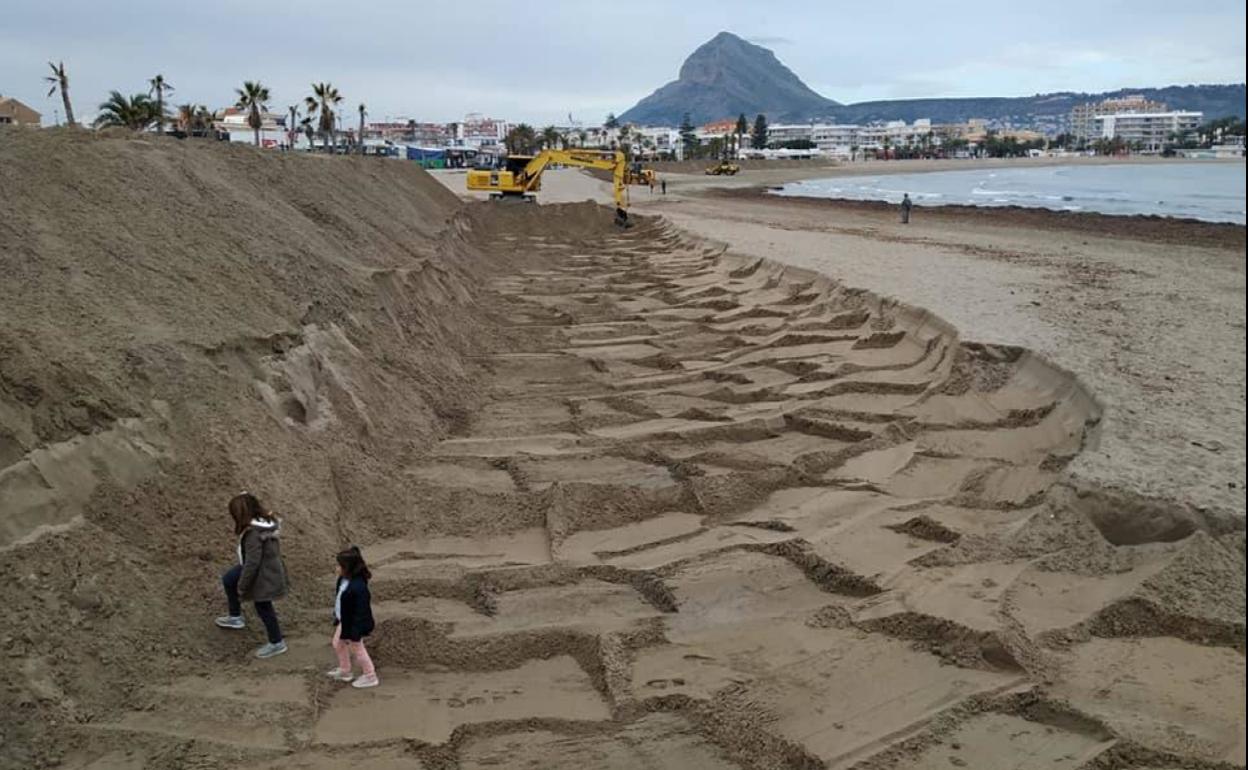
631,500
181,321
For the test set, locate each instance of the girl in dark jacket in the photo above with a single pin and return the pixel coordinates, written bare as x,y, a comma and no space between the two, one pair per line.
353,619
260,575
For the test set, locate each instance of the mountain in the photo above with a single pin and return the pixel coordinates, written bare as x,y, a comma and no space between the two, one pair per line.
725,77
1215,101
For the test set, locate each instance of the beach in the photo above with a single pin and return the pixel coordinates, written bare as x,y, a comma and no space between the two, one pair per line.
751,484
1149,312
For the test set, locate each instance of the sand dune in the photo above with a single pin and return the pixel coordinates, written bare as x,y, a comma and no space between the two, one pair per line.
648,503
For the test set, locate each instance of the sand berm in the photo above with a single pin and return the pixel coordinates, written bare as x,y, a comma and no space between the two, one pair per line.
632,500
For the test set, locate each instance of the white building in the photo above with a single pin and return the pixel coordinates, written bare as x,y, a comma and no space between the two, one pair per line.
661,139
789,132
834,139
1147,130
233,121
479,132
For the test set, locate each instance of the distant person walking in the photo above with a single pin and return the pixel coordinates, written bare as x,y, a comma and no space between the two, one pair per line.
353,620
260,575
906,205
663,186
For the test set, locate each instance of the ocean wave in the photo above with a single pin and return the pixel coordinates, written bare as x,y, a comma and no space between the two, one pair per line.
1212,194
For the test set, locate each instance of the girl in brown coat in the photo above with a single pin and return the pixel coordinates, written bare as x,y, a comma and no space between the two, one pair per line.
260,575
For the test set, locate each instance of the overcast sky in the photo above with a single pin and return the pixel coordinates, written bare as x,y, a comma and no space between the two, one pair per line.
540,61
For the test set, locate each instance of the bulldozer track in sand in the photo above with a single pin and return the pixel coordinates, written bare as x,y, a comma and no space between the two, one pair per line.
751,518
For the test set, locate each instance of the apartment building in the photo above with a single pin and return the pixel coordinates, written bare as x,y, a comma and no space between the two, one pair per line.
478,131
835,139
790,132
1147,130
1083,118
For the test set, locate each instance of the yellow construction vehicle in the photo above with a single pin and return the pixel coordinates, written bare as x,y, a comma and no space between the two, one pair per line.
521,177
724,168
642,176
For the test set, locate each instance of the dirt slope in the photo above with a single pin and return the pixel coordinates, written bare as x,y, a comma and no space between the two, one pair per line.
181,321
631,500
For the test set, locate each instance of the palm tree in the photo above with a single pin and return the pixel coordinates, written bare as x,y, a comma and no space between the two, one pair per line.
363,112
136,113
60,81
157,87
308,131
204,119
190,118
325,98
291,130
253,97
550,137
520,140
581,137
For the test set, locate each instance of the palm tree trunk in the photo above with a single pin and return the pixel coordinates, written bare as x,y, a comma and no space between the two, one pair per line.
69,110
160,111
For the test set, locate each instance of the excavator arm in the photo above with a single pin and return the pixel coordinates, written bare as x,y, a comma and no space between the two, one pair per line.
608,160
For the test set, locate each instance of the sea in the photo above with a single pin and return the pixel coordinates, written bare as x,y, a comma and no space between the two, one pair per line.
1211,190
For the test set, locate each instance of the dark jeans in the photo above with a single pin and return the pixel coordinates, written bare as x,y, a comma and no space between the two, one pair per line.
268,616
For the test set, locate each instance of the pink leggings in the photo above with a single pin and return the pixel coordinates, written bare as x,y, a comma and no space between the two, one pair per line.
346,648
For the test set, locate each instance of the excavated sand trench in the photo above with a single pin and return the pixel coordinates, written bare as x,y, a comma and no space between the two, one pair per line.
724,514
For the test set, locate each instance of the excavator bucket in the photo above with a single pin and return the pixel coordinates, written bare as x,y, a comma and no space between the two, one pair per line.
621,218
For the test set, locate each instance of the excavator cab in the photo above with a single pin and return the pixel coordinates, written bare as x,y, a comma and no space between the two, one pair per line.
516,163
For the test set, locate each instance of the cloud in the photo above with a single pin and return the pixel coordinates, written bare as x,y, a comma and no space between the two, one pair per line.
769,40
425,61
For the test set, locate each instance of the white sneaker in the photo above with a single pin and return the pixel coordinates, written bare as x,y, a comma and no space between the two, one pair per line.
231,621
339,675
271,649
366,680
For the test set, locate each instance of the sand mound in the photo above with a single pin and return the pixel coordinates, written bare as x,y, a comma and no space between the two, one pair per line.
631,500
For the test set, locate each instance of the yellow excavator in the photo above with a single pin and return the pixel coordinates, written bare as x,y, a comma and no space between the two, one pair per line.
637,174
724,168
521,176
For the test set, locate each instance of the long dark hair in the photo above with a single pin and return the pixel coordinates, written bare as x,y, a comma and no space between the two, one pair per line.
243,508
352,563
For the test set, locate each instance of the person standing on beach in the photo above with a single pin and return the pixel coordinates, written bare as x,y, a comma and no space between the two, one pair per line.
663,186
260,575
906,205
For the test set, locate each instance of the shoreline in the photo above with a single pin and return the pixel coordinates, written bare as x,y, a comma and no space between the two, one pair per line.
797,170
1145,227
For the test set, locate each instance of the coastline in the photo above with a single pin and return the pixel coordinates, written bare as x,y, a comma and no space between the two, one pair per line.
1143,227
1148,311
686,173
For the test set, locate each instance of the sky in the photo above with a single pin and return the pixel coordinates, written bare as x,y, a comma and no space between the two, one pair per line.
540,62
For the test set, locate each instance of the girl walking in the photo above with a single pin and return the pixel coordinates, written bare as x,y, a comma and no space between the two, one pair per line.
260,575
353,620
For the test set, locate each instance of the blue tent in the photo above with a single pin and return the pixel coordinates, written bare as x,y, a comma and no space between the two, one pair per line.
429,158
